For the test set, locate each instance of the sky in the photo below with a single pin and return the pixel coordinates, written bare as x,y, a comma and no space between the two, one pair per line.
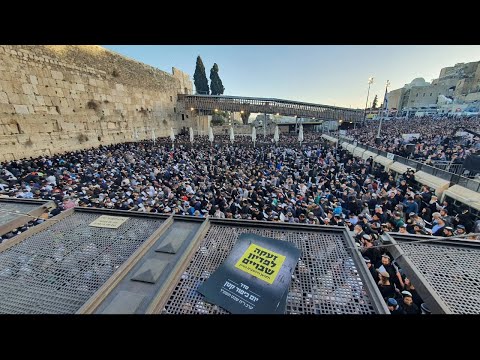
321,74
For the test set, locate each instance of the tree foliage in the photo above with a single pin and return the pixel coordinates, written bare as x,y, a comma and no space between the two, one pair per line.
217,120
215,81
220,118
200,78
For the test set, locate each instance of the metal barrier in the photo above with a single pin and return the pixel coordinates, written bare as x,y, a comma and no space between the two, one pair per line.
444,271
15,212
453,175
152,263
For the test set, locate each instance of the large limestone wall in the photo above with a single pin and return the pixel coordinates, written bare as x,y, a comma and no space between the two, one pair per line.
61,98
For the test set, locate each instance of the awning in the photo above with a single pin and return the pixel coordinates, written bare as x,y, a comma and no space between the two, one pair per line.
466,196
398,167
382,160
367,154
439,184
358,151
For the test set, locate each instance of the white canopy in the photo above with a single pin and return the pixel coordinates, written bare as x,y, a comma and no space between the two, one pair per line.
300,133
210,134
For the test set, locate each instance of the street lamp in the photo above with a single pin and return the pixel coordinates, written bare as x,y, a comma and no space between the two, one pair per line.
338,136
370,82
385,107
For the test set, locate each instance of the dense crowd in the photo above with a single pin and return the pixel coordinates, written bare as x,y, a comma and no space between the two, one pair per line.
436,140
312,184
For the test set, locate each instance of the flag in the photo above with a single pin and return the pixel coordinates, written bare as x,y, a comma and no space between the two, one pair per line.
276,137
254,135
172,135
300,133
153,136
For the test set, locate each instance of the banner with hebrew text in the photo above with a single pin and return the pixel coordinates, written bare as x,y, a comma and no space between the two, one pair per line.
255,277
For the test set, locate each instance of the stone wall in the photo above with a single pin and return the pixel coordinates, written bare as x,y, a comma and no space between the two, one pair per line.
61,98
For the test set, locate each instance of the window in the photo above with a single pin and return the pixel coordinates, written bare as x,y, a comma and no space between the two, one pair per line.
183,116
423,94
174,109
430,94
416,95
171,98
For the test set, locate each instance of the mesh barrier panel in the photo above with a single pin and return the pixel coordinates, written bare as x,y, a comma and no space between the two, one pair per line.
7,211
58,269
453,272
325,280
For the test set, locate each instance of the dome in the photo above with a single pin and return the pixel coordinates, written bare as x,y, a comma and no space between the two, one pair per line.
418,82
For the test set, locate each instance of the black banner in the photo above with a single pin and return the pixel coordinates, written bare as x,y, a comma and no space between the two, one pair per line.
255,277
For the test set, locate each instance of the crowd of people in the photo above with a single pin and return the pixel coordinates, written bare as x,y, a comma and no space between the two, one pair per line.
315,183
267,182
433,139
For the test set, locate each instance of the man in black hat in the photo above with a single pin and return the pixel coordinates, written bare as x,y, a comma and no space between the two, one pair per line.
392,270
460,230
394,307
409,307
371,268
447,231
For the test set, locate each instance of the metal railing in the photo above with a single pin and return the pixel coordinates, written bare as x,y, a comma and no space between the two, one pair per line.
450,176
269,106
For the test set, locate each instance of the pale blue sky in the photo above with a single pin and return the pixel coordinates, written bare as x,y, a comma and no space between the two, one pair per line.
323,74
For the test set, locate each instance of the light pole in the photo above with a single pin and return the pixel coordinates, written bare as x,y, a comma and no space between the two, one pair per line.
385,107
338,136
370,82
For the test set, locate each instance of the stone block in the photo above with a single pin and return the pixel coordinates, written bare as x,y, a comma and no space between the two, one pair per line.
31,100
40,100
21,109
6,86
33,79
59,92
40,109
47,100
57,75
6,109
3,97
52,110
27,89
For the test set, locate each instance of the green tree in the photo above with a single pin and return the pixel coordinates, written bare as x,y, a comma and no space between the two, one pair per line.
200,78
245,115
217,120
215,81
375,101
